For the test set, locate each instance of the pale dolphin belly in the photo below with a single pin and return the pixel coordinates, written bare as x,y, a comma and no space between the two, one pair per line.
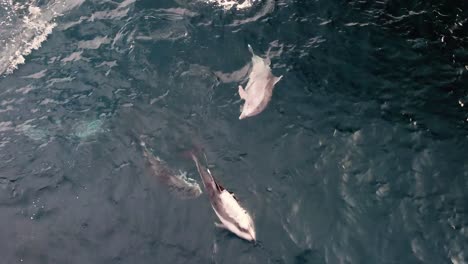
259,89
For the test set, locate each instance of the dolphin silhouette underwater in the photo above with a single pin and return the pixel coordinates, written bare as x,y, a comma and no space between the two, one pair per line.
226,206
259,89
178,183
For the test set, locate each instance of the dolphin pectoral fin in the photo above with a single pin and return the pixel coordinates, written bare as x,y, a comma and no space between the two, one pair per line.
242,93
277,79
219,225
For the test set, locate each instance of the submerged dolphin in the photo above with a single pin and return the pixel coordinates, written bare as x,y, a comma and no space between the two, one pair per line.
259,88
179,183
233,217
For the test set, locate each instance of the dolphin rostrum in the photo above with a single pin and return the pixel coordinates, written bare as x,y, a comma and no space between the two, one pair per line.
233,217
259,88
178,183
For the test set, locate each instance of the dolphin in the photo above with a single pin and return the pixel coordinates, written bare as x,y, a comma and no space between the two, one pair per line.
178,183
259,88
226,206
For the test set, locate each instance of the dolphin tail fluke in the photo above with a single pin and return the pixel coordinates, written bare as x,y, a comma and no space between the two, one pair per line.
143,145
207,178
250,49
143,138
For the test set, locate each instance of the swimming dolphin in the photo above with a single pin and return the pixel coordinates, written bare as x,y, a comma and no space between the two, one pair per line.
233,217
259,88
178,183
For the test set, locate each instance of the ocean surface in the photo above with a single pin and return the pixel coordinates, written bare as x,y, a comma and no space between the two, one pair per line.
360,157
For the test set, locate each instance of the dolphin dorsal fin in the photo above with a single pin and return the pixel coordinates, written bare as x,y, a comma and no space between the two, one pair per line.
219,187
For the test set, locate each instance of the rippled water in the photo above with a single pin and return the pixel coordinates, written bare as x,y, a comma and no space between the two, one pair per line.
360,157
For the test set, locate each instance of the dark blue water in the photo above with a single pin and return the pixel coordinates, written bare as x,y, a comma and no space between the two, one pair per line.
360,157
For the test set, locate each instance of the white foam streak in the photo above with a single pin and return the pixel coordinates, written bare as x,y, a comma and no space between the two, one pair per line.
25,27
229,4
35,28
